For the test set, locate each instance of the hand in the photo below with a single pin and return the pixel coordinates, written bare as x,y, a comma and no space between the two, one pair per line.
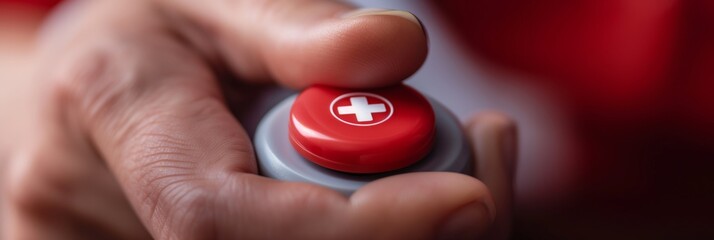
132,137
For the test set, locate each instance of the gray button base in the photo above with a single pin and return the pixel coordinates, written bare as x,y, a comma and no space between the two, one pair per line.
277,158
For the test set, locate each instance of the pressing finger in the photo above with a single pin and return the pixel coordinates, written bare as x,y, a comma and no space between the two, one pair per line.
306,42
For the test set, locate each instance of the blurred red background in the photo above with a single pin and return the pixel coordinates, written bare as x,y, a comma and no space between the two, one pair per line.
42,5
636,77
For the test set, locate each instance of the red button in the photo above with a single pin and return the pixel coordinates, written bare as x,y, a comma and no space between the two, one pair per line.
362,131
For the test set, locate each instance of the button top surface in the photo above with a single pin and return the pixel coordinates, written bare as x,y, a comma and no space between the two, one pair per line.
362,131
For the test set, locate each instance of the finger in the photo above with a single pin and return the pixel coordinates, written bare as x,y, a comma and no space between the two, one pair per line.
493,136
445,205
309,41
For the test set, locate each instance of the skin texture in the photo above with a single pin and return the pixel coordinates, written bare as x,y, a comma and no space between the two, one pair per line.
128,134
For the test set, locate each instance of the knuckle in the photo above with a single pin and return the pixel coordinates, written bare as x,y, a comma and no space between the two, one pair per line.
114,73
114,94
183,210
95,78
176,199
164,161
164,143
31,188
198,220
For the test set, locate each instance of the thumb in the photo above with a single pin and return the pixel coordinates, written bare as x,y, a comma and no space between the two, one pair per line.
414,205
305,42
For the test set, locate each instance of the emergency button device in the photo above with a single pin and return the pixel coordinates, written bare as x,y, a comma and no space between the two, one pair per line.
362,131
343,139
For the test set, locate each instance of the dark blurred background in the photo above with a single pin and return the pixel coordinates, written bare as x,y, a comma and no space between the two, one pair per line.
636,80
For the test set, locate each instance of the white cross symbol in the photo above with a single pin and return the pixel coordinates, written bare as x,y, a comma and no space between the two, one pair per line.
361,109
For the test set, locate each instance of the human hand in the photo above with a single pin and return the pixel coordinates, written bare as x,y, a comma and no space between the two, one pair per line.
132,137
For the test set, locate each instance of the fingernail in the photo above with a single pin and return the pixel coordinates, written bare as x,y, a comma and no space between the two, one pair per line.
468,222
380,11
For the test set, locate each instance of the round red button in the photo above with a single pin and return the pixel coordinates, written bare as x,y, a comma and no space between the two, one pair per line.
362,131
